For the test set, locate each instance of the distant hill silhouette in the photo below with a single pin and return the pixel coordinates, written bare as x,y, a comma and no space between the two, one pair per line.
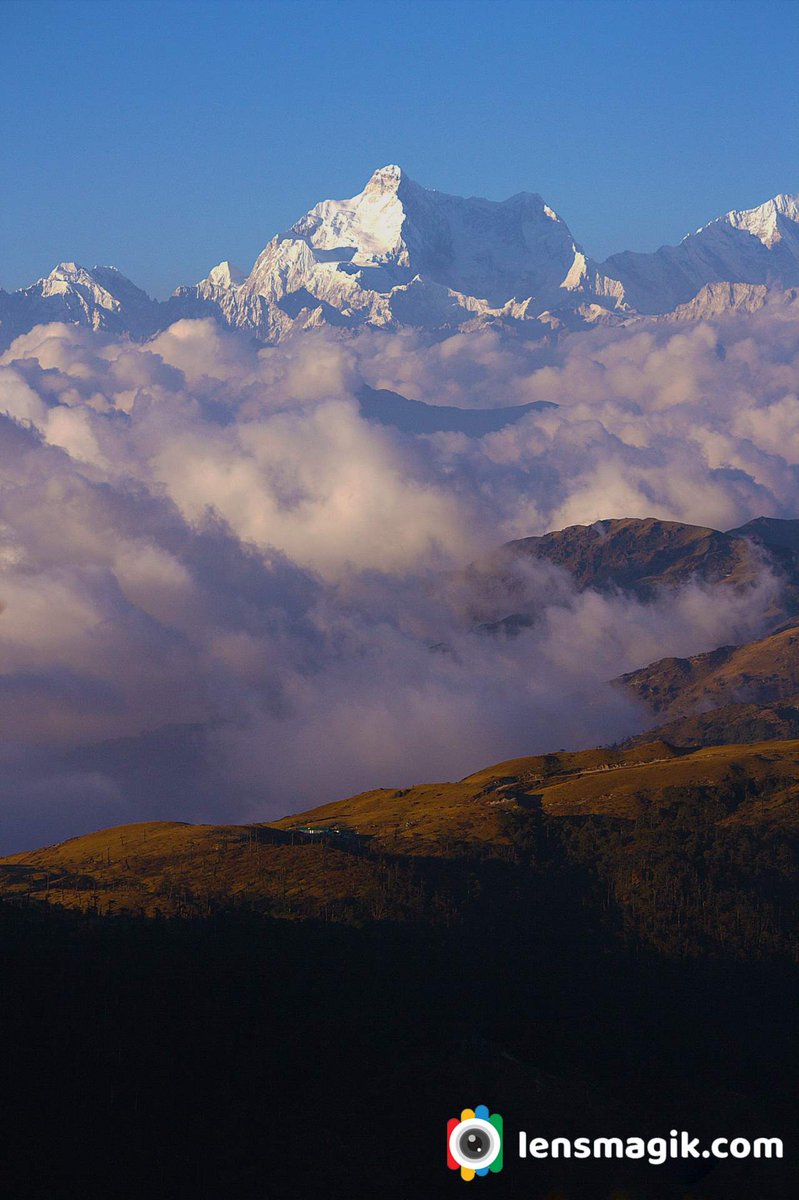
414,416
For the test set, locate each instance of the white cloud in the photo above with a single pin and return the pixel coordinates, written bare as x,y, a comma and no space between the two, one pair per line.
204,545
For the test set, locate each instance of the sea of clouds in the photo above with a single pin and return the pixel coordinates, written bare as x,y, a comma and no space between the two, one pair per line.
225,595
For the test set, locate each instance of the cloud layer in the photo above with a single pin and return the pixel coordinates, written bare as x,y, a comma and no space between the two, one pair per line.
225,594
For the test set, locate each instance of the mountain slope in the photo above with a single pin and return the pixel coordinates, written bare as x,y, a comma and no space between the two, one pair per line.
727,725
718,299
646,555
638,555
346,853
755,246
759,672
732,694
777,534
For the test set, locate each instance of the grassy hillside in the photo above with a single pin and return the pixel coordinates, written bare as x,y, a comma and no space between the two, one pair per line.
733,694
645,555
731,723
397,852
758,672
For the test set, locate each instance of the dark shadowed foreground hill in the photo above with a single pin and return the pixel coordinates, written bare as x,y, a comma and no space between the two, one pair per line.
595,943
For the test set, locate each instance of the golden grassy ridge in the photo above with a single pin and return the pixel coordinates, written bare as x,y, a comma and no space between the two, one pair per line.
171,867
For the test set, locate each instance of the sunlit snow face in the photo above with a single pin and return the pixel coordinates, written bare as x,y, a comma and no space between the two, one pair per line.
206,549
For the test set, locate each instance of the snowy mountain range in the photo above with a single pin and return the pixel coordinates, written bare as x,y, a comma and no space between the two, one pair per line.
400,255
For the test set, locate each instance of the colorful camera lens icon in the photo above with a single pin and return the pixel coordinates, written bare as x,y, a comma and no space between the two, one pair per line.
474,1142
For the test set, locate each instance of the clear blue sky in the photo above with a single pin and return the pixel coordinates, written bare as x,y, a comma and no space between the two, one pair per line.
162,136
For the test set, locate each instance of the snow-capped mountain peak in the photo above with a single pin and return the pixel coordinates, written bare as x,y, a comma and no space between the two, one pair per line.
751,246
370,223
399,254
763,222
68,276
354,253
385,179
100,297
102,286
224,275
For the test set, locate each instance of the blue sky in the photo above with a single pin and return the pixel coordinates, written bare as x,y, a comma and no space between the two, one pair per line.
164,136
